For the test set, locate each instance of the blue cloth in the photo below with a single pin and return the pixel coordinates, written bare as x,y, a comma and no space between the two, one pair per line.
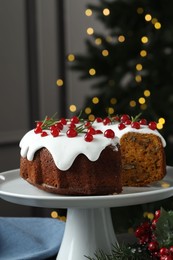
30,238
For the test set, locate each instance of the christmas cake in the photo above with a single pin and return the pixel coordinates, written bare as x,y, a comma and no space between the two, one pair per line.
142,149
71,158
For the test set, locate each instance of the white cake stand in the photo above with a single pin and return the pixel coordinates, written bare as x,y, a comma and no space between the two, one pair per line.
89,226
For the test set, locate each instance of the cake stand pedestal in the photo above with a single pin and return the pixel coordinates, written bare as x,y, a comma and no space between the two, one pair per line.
89,225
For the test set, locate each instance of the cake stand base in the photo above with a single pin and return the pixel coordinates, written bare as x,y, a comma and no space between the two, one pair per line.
87,231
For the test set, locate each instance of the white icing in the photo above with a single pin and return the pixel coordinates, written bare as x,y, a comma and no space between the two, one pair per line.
144,129
64,150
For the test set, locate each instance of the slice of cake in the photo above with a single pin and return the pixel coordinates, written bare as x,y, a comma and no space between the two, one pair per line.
142,149
71,158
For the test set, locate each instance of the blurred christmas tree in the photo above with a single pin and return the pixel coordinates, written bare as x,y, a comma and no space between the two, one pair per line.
131,62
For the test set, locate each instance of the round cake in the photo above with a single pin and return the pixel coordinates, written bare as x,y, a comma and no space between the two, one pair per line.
77,157
71,159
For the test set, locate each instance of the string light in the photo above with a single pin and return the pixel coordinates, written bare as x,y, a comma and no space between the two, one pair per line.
138,78
91,117
148,17
90,31
154,20
144,39
87,110
113,101
71,57
143,106
59,82
98,41
121,38
139,67
161,120
143,53
147,93
95,100
141,100
132,103
140,10
72,108
105,53
106,12
157,25
110,110
92,72
54,214
88,12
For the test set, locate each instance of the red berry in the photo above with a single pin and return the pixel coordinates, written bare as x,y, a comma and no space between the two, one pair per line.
72,125
157,214
38,130
43,134
39,124
121,126
153,224
59,126
139,232
116,118
55,132
75,120
106,121
87,124
91,131
153,246
124,118
171,250
63,121
152,125
109,133
97,132
164,251
143,121
135,125
144,239
88,137
71,132
99,120
127,122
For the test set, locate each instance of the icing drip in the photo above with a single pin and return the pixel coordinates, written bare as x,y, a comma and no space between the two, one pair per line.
64,150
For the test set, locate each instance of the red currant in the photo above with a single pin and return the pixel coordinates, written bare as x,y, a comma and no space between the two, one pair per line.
143,121
75,120
87,124
121,126
109,133
127,122
88,137
38,130
91,131
63,121
99,119
153,224
72,125
124,118
39,124
153,246
164,251
106,121
71,132
59,126
43,134
97,132
116,118
139,232
55,132
135,125
152,125
157,214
